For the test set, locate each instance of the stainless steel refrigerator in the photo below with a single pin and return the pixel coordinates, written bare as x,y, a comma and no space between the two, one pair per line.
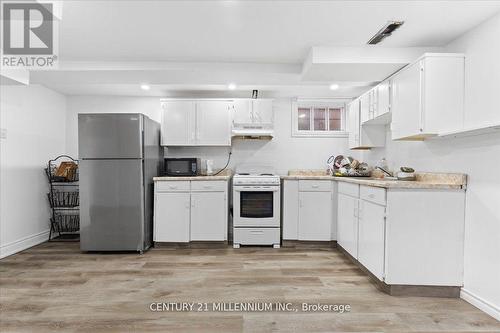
119,156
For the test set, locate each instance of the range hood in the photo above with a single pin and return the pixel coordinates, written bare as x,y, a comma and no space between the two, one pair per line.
253,132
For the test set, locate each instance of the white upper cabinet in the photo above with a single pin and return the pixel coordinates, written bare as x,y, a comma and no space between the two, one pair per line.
196,123
253,117
428,97
383,99
365,106
362,136
178,123
263,111
213,123
353,123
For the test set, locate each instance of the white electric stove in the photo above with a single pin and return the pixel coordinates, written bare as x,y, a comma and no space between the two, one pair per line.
256,207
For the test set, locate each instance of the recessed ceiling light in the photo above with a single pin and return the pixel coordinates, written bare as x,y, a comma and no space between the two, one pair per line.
334,86
145,86
231,86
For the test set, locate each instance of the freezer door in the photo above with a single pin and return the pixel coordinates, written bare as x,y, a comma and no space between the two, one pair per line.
110,136
111,205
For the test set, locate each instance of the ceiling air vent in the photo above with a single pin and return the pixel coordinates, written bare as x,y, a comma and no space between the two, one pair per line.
386,31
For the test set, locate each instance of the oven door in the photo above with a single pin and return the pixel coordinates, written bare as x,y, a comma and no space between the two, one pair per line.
256,206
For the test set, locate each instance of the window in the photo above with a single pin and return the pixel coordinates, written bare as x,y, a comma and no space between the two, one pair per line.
319,118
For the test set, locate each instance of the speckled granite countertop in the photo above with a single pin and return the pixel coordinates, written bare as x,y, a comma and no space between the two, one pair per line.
425,180
224,175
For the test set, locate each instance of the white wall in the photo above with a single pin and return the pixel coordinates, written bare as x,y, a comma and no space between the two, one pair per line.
34,118
149,106
478,157
283,152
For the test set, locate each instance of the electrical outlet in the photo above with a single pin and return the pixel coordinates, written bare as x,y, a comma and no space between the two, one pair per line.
3,133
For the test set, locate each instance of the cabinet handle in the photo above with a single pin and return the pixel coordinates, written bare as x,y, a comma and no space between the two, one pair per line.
371,196
300,203
187,205
172,186
260,232
315,186
207,186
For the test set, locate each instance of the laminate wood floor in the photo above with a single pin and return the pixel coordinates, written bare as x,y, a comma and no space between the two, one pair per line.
55,287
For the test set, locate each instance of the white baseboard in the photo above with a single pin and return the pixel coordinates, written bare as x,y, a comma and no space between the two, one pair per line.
480,303
23,244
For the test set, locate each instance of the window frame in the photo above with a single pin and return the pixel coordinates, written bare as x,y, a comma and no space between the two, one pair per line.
327,103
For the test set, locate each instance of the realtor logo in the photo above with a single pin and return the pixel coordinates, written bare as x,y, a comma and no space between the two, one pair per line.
28,35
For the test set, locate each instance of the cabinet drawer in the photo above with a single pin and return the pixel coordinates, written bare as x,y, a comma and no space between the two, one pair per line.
256,236
373,194
208,185
315,185
349,189
172,186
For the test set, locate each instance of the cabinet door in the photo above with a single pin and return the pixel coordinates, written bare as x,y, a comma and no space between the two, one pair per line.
373,103
242,112
383,100
315,216
406,103
208,216
372,237
178,123
213,126
365,107
354,124
262,110
171,217
347,224
290,209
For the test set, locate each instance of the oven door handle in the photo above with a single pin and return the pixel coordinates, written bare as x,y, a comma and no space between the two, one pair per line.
256,188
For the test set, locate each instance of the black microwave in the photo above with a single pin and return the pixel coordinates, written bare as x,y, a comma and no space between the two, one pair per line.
185,166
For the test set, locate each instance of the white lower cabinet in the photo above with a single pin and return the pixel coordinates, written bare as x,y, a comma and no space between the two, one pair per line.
371,237
309,210
190,211
208,216
172,215
404,236
315,216
347,224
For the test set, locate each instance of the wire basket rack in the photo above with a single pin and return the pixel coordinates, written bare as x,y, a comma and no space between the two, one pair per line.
66,223
64,198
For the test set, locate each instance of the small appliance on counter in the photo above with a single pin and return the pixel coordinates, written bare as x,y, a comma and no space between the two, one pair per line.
406,173
209,167
182,167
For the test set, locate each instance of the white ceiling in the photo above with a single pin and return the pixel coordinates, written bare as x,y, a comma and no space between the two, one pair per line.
270,33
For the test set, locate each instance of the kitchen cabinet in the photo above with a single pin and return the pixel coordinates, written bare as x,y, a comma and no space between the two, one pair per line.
178,123
315,215
365,106
353,123
213,123
404,236
208,216
309,210
253,112
362,136
382,105
347,224
371,237
187,211
196,123
428,97
172,217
